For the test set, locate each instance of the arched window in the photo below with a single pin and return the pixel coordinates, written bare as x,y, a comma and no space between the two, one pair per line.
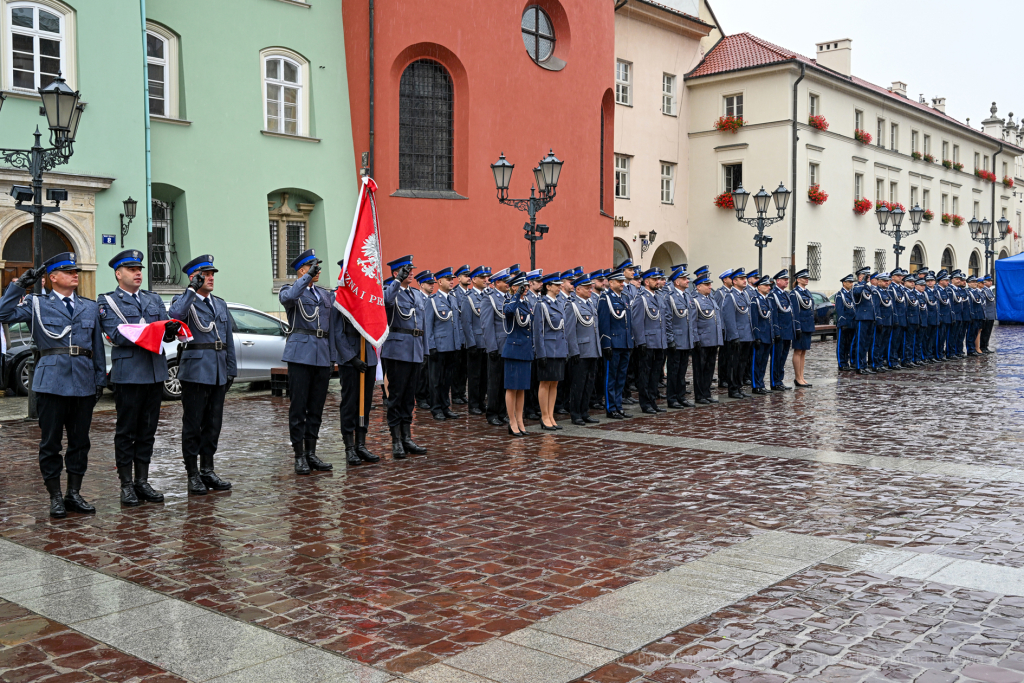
1002,254
916,258
974,264
37,37
425,127
620,251
19,249
162,71
948,261
285,92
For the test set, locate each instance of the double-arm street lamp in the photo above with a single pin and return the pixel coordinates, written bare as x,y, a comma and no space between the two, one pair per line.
890,222
761,200
981,231
546,179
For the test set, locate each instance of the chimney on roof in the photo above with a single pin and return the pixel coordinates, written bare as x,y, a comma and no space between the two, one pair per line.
836,55
939,104
921,99
900,88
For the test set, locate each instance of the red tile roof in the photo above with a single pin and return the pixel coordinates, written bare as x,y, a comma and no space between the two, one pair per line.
746,51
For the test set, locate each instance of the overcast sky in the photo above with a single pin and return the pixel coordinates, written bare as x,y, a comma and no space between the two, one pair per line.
963,51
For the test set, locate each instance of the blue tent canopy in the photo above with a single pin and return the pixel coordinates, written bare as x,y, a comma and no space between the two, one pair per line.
1010,289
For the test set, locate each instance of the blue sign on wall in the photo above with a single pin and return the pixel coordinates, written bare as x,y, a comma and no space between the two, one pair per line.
109,239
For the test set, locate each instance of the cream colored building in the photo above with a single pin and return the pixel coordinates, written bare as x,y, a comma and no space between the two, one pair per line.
655,45
776,91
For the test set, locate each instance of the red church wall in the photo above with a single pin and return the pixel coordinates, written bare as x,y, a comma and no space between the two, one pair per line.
503,102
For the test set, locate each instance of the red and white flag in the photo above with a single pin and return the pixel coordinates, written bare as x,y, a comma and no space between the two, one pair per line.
150,336
360,293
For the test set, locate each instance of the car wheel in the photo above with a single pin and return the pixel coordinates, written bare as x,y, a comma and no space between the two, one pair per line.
172,386
21,376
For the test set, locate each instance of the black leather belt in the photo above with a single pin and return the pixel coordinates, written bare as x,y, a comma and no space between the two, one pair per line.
402,330
319,334
205,346
66,351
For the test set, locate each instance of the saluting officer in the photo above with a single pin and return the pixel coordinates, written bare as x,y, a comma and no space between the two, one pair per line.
531,401
459,377
616,330
988,289
599,282
845,323
783,329
476,345
708,336
802,304
444,340
739,333
883,323
679,338
723,353
138,373
899,318
943,346
649,335
404,350
310,358
550,348
492,323
69,375
761,321
864,315
345,342
584,342
931,343
909,347
426,282
206,367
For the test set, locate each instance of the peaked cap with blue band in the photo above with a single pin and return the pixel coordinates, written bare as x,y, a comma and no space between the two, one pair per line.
128,257
462,270
444,272
66,260
424,276
204,262
399,262
305,258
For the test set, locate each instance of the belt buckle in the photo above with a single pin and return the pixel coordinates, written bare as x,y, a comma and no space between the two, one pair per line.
320,334
74,350
218,345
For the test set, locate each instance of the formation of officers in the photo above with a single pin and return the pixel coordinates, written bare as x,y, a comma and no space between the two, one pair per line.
513,345
891,320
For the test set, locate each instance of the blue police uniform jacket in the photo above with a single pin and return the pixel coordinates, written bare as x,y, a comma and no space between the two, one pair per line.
582,335
472,326
460,297
131,364
549,329
308,308
53,327
443,323
977,302
345,340
932,298
492,321
761,318
205,366
678,313
736,313
990,303
783,323
648,320
945,305
913,308
802,304
955,303
404,309
863,309
707,323
518,317
844,308
899,304
884,307
613,322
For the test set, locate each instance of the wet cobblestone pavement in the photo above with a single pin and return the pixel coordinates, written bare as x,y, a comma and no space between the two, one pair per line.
406,563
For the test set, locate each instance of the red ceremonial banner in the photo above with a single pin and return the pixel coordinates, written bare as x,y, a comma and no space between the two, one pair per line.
360,293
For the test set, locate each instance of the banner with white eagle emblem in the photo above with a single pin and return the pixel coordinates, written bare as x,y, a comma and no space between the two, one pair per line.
360,293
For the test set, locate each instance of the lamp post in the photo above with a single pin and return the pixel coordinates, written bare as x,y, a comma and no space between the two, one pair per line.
545,177
129,213
647,240
761,199
885,216
981,232
63,112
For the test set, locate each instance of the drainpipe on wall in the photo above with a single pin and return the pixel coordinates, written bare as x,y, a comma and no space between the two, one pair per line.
149,165
369,163
993,228
792,216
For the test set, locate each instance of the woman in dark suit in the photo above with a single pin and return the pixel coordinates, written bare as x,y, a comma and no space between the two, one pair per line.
550,347
518,353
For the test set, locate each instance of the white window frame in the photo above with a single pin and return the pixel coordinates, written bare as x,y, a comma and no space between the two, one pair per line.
736,106
813,104
956,154
914,135
858,119
913,196
68,50
945,150
894,192
170,64
858,186
977,160
977,209
623,83
622,163
725,171
945,202
879,189
894,136
813,174
956,205
926,198
880,131
985,161
302,115
668,182
926,147
668,94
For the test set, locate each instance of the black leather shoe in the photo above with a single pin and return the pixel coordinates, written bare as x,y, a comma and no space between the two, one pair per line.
625,414
143,490
660,409
301,464
805,385
397,450
57,510
459,401
548,429
881,368
196,487
531,416
629,401
475,411
408,444
579,422
735,394
596,406
649,411
778,387
702,401
495,421
615,416
438,415
712,400
451,414
761,391
561,411
744,394
675,405
422,405
316,463
361,451
351,459
213,482
73,501
591,420
128,497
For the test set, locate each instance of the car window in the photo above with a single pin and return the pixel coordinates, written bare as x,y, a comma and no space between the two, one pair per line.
818,298
251,322
18,332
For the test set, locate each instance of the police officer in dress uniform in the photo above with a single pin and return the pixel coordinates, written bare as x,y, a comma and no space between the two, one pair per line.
708,337
584,341
138,373
599,282
724,352
679,333
802,304
69,375
492,323
444,340
615,326
943,347
459,375
899,318
531,400
565,295
206,367
930,341
739,333
426,282
346,343
629,292
309,354
883,323
761,323
988,289
404,349
845,323
908,350
648,322
476,345
783,329
864,316
751,291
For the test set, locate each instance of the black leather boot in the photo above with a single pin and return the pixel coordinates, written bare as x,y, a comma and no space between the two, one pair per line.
350,450
73,501
397,449
361,450
209,477
301,464
56,498
128,497
142,488
196,487
316,463
408,444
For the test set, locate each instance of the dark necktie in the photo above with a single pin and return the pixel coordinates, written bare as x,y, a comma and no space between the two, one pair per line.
209,304
70,306
137,302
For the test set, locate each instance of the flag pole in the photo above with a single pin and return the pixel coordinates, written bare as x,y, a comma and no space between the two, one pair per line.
362,383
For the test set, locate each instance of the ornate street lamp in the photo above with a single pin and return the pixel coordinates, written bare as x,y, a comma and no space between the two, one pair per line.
981,232
545,177
740,197
129,213
647,240
887,216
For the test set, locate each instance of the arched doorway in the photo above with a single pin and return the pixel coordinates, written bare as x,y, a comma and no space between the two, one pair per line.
974,264
620,252
916,258
668,255
20,247
948,259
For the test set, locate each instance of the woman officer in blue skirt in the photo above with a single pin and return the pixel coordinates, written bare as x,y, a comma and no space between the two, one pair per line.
550,347
518,353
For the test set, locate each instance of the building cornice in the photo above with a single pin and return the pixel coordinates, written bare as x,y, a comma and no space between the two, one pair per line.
68,181
749,126
665,18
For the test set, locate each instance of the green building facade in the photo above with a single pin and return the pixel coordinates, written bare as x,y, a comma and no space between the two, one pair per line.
249,132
